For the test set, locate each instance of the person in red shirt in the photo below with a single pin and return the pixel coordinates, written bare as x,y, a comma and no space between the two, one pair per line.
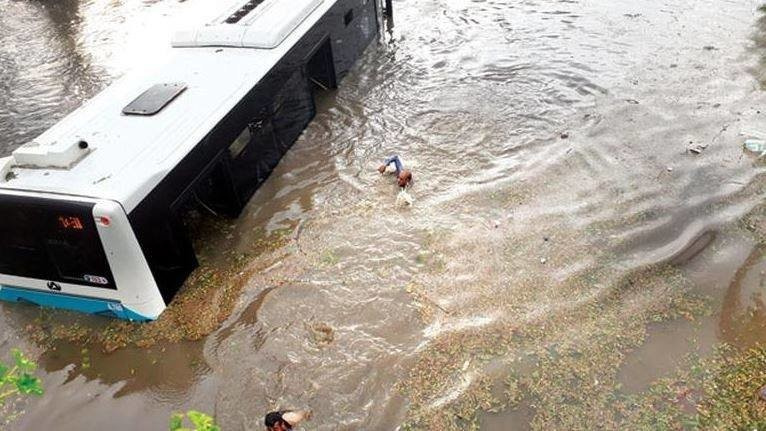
403,176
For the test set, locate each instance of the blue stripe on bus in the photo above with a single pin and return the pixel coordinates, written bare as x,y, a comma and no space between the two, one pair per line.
101,307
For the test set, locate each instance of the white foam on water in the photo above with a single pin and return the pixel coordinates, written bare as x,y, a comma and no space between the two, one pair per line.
404,198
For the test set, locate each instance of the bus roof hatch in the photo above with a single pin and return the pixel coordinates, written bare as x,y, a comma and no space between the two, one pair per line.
154,99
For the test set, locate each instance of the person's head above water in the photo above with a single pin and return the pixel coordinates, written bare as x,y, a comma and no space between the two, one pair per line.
275,422
405,178
284,420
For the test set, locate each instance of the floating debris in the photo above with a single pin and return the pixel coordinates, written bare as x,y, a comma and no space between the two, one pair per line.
321,333
696,148
756,146
404,198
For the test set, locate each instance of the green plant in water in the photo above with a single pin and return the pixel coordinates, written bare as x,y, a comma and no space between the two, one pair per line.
18,379
199,420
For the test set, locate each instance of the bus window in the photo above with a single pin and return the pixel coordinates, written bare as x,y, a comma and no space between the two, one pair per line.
73,261
52,240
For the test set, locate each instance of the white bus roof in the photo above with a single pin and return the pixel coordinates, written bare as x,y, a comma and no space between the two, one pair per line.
128,155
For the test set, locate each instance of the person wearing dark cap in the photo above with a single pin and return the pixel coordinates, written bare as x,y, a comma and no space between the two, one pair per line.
284,420
403,176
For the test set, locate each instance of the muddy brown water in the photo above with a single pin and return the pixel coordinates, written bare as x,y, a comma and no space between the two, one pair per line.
549,141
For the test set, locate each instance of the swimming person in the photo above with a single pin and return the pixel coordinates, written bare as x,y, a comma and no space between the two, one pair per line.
403,176
284,420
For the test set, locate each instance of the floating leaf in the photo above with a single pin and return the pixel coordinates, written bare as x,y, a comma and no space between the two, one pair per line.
176,422
29,385
201,421
22,362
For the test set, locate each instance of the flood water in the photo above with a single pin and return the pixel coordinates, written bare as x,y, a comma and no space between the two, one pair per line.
557,208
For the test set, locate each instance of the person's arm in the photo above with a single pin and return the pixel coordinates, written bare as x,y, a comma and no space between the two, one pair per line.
296,417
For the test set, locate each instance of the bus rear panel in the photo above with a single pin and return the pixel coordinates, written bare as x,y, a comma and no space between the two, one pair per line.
60,253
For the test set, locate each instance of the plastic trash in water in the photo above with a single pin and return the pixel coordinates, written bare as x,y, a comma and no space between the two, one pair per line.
404,198
756,146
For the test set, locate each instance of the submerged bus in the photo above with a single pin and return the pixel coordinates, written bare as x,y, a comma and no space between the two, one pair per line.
91,210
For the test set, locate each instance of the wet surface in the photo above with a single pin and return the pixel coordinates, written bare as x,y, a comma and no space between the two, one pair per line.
564,240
